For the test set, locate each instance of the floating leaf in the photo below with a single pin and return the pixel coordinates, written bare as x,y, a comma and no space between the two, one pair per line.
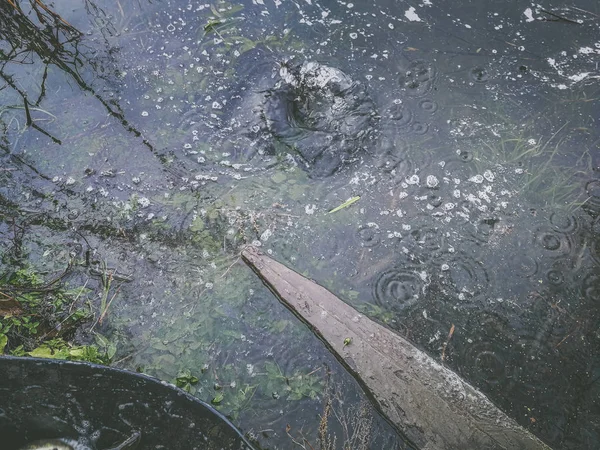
217,399
345,204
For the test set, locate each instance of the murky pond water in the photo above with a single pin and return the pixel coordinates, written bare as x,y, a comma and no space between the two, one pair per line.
168,135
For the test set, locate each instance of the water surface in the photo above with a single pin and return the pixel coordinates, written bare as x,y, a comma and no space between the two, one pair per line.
169,135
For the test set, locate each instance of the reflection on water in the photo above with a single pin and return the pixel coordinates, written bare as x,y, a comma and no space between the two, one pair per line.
470,137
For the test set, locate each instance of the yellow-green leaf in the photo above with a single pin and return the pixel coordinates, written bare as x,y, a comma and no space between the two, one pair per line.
42,352
345,204
76,352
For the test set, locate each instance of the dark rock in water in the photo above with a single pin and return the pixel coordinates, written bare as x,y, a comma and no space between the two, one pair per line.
314,112
320,113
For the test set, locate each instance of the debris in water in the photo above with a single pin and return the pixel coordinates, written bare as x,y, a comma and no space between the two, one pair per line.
345,204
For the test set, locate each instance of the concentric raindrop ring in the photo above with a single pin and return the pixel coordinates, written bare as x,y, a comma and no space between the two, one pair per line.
428,105
419,128
567,224
466,277
398,289
553,241
482,362
369,235
479,75
418,78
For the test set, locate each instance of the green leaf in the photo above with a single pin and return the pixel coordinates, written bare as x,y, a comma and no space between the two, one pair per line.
101,340
111,351
280,325
295,395
272,369
3,342
345,204
76,352
42,352
217,399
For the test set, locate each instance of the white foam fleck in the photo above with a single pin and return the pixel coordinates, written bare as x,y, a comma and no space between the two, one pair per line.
432,181
411,15
578,77
482,195
529,15
414,179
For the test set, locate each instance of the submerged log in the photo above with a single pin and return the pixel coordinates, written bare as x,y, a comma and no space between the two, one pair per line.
431,405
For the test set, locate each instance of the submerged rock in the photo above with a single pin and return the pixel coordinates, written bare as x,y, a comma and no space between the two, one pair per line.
321,113
314,112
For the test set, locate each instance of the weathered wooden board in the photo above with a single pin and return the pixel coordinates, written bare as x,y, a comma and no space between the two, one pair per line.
429,403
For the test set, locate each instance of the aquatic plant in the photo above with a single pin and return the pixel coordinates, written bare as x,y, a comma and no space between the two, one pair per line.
535,161
40,318
341,426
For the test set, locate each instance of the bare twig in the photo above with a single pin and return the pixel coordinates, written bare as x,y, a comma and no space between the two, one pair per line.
447,341
229,268
567,336
558,17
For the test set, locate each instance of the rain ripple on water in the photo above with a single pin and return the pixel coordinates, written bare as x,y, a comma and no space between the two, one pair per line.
399,288
418,78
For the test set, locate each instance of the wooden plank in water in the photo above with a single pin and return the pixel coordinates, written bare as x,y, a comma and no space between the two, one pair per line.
430,404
